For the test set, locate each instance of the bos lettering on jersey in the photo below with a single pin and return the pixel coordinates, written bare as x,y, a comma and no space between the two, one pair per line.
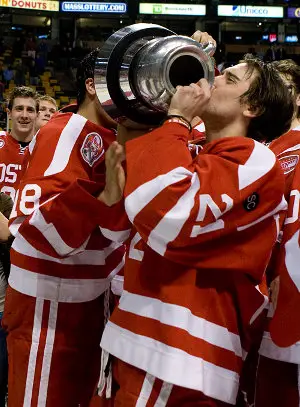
9,175
11,158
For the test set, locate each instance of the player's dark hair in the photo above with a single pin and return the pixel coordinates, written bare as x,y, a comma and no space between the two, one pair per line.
85,71
270,100
291,73
21,92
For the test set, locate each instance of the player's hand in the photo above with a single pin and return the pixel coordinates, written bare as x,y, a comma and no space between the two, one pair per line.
204,38
190,101
115,175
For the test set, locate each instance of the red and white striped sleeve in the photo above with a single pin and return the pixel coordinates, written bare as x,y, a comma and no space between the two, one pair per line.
57,207
176,202
66,222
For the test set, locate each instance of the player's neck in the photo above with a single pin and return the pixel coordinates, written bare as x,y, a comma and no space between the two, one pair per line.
216,131
295,123
25,138
91,113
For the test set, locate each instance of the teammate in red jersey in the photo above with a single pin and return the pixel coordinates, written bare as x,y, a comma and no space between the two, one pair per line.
64,255
278,372
203,234
47,107
22,108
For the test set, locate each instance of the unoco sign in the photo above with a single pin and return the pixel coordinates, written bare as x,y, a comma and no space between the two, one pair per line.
293,12
250,11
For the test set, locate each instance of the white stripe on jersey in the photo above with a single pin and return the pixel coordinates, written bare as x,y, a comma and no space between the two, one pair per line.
51,234
182,318
260,162
164,395
146,390
35,340
281,207
65,144
59,289
32,143
294,148
144,194
270,350
86,257
47,358
179,367
171,224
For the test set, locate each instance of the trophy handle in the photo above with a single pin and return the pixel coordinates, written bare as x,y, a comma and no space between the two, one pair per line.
209,48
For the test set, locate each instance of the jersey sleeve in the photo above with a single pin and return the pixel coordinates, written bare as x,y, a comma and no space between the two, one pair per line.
66,222
177,203
58,212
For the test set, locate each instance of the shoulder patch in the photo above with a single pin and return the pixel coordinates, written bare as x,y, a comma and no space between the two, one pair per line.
2,142
92,148
251,202
289,163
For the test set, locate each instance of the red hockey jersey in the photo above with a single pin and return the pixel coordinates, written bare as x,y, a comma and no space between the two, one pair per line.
67,243
11,159
284,342
204,230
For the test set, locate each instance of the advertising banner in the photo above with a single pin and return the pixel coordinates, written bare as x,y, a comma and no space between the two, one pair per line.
44,5
173,9
293,12
250,11
90,7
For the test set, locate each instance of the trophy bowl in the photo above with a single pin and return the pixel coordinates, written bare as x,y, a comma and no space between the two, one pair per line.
139,66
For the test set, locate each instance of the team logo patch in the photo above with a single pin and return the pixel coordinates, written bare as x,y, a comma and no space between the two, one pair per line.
2,143
92,148
251,202
289,163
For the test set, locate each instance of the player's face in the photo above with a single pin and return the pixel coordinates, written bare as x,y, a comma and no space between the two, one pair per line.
227,90
46,111
23,115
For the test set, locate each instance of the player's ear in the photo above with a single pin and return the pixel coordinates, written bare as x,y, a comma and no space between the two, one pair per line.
90,86
250,113
298,100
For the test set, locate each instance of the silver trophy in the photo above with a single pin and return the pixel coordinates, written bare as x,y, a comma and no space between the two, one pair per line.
139,66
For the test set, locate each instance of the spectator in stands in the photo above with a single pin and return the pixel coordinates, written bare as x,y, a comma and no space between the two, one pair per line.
275,53
33,73
280,53
47,107
8,74
40,63
30,46
43,50
20,70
